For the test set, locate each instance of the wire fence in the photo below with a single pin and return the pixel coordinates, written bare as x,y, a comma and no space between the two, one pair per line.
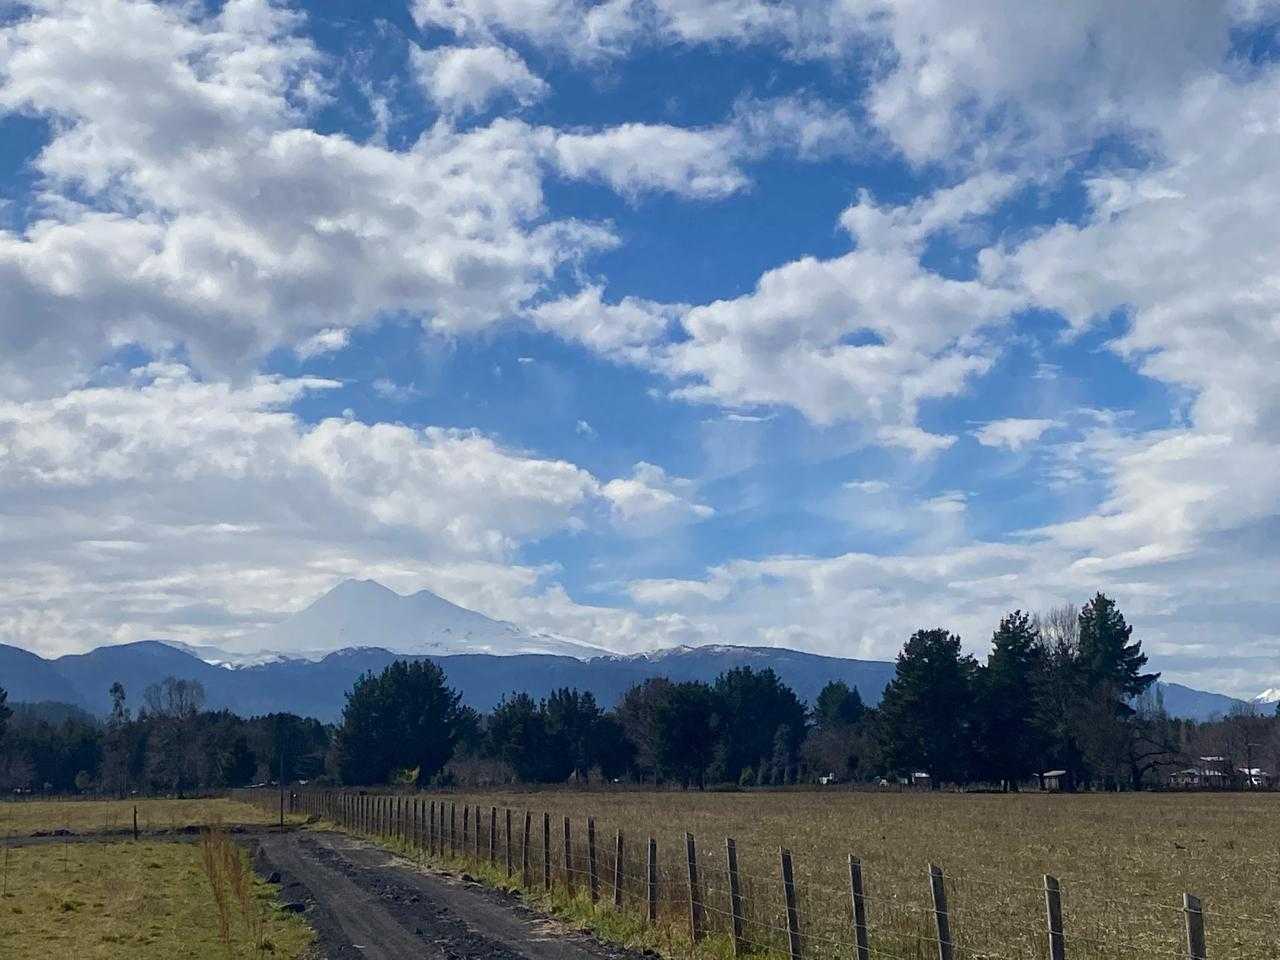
696,890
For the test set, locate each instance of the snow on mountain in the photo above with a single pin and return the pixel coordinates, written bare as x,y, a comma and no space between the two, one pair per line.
364,613
1268,698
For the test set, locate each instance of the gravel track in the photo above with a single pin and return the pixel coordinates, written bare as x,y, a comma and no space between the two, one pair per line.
364,902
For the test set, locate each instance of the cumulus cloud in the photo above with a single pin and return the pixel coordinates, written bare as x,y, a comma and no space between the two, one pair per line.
165,490
624,330
651,501
865,336
326,341
467,79
636,157
184,203
1012,433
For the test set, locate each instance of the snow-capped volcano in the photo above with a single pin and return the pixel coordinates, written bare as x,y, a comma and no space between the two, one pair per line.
364,613
1268,697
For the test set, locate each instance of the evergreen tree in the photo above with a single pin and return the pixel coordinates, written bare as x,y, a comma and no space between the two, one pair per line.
752,706
838,704
1007,732
5,712
406,718
926,711
1109,658
685,732
572,718
517,735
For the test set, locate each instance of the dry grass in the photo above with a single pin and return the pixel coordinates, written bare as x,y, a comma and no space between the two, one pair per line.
27,817
1124,862
143,901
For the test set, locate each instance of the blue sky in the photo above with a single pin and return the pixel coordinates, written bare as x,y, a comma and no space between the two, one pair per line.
644,322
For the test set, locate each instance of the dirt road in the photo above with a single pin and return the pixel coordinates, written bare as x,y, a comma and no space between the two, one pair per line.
366,903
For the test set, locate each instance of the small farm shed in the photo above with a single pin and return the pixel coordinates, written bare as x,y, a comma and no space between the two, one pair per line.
1053,780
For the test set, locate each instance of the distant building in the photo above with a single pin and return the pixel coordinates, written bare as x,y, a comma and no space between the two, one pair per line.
1053,780
1255,777
1211,773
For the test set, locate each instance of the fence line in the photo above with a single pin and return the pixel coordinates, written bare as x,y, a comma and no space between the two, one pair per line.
784,915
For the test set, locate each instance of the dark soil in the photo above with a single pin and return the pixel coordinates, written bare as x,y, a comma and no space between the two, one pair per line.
363,902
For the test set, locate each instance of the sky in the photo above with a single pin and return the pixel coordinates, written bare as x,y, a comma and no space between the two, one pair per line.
645,322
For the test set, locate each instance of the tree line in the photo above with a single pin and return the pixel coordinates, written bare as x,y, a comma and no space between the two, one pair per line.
171,745
1064,692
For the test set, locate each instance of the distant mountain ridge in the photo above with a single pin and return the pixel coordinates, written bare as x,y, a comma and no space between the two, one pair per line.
360,613
306,663
318,688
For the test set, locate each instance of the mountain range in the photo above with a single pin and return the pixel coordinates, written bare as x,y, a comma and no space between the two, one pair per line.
306,663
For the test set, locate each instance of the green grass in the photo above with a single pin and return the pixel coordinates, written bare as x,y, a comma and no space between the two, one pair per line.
24,818
129,901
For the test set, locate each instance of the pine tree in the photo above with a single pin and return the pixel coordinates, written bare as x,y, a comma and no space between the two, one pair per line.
838,704
1110,659
926,711
1007,704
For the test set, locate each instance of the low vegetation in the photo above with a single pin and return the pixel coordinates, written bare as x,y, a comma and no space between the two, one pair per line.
1124,862
135,901
24,818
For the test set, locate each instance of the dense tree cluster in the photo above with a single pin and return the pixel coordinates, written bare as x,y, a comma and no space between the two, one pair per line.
1063,691
171,746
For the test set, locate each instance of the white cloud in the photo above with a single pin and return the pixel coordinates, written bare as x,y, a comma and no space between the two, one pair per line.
651,501
394,392
184,204
624,330
864,337
588,29
584,429
468,79
1013,433
634,158
326,341
121,505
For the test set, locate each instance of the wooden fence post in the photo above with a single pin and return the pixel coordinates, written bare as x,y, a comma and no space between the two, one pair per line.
1053,914
593,875
859,899
431,830
568,859
793,912
942,919
510,854
1194,911
493,835
546,851
466,816
735,898
651,881
525,879
619,876
477,839
453,828
695,894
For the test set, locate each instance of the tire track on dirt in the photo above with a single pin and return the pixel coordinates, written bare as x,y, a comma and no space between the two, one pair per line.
365,902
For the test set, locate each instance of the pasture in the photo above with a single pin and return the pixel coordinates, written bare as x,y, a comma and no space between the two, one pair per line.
24,818
140,901
1124,862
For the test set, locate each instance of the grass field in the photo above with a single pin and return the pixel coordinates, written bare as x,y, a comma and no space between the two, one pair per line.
129,901
1124,862
26,817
